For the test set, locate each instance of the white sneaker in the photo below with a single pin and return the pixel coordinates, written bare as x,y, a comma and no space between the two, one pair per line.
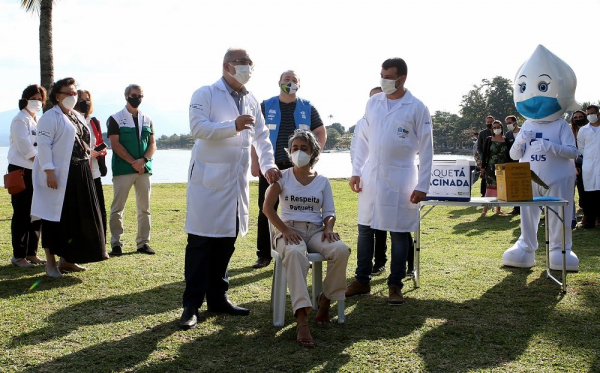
517,257
556,260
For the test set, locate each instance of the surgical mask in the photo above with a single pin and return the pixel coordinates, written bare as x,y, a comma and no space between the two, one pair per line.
538,107
242,73
388,86
497,131
510,126
300,158
134,101
34,105
83,106
69,102
592,118
289,87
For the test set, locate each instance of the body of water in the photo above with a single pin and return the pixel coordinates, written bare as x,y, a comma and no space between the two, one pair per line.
170,166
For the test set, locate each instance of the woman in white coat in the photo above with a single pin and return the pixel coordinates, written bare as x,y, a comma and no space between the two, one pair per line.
22,152
64,195
306,224
588,142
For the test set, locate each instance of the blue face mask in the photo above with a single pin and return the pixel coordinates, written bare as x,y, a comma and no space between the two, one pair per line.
538,107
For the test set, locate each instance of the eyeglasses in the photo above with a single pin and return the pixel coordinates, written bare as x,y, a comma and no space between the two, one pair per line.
73,93
243,61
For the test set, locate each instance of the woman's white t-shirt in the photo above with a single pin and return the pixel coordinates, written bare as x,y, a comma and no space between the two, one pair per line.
310,203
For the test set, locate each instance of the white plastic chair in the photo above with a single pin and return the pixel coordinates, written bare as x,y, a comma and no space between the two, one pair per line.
279,286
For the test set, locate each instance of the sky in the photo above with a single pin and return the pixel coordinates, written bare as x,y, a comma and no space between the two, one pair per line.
171,48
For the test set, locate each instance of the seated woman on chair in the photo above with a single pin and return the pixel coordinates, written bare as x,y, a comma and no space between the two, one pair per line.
306,224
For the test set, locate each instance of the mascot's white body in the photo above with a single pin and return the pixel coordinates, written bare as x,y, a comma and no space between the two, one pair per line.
544,89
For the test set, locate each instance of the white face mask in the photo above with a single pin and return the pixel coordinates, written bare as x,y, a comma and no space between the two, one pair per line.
510,126
592,118
34,105
388,86
69,102
300,158
242,73
497,131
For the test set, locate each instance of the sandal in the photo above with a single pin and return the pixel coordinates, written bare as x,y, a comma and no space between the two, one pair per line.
322,317
304,341
65,267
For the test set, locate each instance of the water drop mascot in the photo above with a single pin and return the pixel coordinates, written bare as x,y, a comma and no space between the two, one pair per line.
544,89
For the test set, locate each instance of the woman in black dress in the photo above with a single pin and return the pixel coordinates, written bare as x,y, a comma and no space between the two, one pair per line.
64,194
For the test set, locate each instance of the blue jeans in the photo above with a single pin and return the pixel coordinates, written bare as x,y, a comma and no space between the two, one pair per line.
364,256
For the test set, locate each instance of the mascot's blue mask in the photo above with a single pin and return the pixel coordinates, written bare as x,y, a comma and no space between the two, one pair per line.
538,107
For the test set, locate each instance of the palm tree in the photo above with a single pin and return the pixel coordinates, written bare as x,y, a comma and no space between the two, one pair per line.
44,9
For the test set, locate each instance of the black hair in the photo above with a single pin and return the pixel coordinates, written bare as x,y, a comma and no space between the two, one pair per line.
593,107
396,62
57,86
29,92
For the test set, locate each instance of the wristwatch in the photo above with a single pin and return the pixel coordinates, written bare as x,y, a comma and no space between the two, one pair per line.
146,159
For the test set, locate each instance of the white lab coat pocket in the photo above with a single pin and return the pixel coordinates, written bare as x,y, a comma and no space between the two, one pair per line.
216,175
388,189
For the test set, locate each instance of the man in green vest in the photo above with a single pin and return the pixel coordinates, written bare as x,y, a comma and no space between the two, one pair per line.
132,139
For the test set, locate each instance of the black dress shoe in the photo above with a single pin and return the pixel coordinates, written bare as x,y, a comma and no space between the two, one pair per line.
117,251
146,250
229,308
189,318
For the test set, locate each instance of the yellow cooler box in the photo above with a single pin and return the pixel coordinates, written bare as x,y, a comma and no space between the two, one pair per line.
514,182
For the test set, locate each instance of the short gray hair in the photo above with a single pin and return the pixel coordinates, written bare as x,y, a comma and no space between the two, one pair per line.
313,144
231,51
132,87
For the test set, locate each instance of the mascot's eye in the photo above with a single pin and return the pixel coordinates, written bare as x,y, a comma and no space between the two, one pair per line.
543,86
522,87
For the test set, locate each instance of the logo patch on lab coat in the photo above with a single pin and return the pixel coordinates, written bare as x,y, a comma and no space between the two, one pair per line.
402,133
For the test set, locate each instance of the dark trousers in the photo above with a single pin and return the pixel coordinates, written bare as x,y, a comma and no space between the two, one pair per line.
206,261
591,208
263,239
580,188
100,194
483,187
401,243
380,248
25,233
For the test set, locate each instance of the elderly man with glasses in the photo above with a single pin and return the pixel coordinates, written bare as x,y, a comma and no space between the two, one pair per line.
225,120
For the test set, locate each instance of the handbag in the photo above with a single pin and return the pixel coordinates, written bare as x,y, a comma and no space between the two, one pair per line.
14,182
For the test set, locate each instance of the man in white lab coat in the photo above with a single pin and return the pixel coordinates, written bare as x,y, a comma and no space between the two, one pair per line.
588,142
397,126
225,120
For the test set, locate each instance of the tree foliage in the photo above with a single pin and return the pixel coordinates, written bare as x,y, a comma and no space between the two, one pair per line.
333,136
183,141
338,127
44,9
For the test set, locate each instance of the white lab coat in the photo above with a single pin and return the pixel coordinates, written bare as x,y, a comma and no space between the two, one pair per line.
56,136
588,142
355,135
22,137
384,158
218,190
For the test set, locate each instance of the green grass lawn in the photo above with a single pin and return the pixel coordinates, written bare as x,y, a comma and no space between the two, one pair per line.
470,314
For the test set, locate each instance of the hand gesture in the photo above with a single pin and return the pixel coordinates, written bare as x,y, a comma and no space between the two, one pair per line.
244,122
